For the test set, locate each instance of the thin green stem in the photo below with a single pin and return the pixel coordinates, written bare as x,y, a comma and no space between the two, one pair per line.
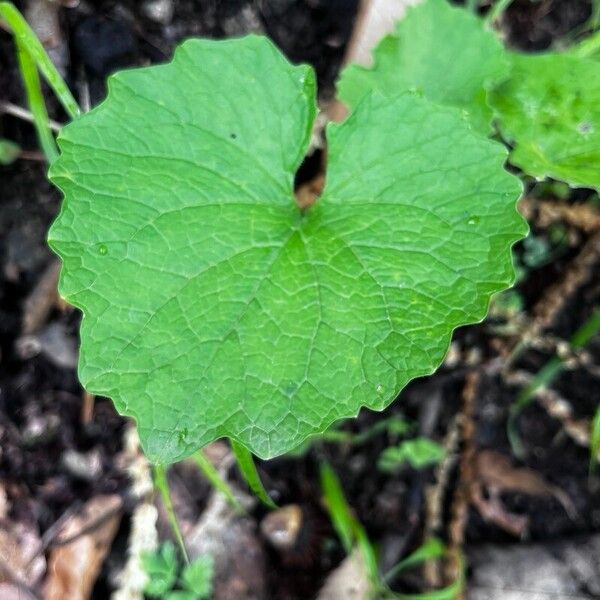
35,99
162,485
248,470
497,10
215,479
27,39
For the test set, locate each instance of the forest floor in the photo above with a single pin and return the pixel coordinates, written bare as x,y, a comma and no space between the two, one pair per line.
528,524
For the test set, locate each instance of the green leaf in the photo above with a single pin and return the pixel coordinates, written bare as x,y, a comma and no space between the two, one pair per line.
418,453
161,568
9,152
197,577
443,51
550,110
213,306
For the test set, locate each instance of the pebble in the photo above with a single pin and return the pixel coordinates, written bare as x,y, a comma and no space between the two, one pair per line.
159,11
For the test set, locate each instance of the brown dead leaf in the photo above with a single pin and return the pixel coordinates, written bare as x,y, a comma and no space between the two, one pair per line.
84,542
496,473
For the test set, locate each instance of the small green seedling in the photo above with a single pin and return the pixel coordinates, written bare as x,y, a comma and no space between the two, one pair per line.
419,453
213,305
167,583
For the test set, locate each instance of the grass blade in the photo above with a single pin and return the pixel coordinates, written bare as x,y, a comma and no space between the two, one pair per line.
346,525
27,40
37,106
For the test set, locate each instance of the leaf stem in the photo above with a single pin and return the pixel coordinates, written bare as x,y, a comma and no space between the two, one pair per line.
248,470
162,485
215,479
28,41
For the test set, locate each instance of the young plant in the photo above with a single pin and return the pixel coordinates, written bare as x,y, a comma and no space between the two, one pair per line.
419,453
213,305
163,571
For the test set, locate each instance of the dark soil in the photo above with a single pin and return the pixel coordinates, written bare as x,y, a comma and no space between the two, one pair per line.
41,401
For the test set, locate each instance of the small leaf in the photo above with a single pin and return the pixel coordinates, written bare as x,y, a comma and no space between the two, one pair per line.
418,453
9,152
214,307
445,52
197,577
161,568
549,109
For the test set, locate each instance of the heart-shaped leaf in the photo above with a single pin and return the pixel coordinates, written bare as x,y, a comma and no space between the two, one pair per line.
213,305
443,51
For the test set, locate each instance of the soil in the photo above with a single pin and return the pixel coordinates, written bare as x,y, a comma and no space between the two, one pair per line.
41,419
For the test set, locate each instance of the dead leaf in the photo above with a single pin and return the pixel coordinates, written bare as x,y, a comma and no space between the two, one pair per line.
495,473
74,565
